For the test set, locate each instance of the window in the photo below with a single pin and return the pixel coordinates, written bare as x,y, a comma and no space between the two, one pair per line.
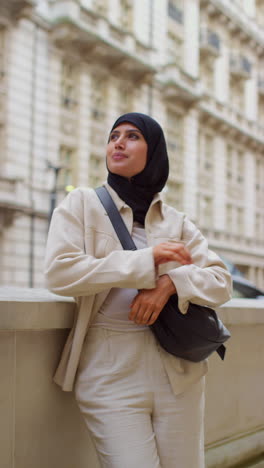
240,220
174,48
69,86
98,98
235,169
235,219
207,73
98,111
175,147
205,210
206,154
125,99
236,93
260,183
235,174
240,167
209,42
97,170
175,135
259,226
175,10
174,194
261,109
67,161
229,217
206,161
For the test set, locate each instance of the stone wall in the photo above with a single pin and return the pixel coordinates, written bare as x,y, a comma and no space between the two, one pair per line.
41,426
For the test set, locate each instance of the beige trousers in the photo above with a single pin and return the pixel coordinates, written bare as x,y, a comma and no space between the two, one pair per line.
125,397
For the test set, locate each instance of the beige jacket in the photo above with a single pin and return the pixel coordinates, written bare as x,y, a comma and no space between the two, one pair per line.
84,259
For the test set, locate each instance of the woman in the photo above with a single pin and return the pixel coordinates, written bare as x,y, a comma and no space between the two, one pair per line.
142,406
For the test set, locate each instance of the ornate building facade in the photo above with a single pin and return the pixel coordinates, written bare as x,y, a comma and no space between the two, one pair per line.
68,68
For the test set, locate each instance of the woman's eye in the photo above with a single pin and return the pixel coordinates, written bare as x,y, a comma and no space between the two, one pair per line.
134,136
113,136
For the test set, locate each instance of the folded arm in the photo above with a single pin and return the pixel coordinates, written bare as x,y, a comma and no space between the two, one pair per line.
70,271
206,281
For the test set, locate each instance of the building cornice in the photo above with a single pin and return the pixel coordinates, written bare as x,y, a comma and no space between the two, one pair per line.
237,22
96,39
245,249
177,85
231,122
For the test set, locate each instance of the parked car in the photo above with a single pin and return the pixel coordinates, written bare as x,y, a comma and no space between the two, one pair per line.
244,288
241,286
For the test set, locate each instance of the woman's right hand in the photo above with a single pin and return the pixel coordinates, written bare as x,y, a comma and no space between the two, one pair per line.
171,252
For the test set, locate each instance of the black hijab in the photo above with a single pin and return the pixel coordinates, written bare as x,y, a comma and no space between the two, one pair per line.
138,192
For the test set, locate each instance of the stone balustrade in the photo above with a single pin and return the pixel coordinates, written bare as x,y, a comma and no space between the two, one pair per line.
41,426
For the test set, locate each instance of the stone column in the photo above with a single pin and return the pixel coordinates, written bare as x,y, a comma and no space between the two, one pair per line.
250,198
251,96
250,7
190,163
221,75
113,12
191,37
84,133
219,158
142,20
159,30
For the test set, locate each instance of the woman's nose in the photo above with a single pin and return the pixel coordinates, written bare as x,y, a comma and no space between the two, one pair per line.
120,142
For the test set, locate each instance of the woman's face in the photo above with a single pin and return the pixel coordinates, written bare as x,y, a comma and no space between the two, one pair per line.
126,153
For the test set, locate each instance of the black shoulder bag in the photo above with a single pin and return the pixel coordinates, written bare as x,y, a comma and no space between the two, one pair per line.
192,336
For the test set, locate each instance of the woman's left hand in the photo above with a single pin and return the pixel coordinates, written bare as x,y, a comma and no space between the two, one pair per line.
148,303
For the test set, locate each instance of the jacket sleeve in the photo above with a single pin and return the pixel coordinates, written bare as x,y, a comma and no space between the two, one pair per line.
70,271
205,282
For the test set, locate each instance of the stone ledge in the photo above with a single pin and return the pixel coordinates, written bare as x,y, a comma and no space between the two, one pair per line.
26,309
234,452
242,312
33,329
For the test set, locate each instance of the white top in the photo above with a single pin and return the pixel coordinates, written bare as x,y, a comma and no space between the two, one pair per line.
114,312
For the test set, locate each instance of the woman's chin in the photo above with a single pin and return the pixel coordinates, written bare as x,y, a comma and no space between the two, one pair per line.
119,171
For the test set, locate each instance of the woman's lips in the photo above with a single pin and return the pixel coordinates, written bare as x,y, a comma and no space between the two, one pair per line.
119,156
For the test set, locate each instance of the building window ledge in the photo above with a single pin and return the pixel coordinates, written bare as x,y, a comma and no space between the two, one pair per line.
105,48
232,120
178,84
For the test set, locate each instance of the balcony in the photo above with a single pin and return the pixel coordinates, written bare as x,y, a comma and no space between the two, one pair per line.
209,42
15,199
85,32
34,324
240,66
178,85
237,18
12,200
227,119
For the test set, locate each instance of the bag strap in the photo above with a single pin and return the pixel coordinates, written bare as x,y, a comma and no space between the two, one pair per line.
123,233
115,218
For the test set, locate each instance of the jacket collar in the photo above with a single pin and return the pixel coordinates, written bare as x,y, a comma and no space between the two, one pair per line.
121,204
